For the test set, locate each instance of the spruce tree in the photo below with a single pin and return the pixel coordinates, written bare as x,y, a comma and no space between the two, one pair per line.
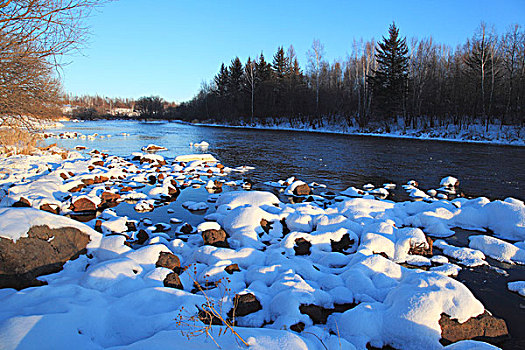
279,64
389,81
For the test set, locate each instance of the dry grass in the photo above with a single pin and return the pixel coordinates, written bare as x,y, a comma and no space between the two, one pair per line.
210,313
17,141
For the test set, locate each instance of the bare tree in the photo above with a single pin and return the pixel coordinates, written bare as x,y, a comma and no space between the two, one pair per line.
315,59
34,35
250,76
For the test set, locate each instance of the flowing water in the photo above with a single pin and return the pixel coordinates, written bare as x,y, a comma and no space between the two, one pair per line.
338,161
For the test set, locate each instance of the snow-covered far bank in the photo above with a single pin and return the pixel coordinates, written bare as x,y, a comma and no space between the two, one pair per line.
346,270
497,135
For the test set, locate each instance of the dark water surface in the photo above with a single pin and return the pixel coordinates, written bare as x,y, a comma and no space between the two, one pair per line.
338,161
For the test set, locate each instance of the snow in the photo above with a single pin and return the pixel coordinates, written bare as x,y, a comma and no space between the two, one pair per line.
518,287
115,296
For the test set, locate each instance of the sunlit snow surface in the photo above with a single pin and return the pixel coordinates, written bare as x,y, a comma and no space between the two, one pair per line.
115,296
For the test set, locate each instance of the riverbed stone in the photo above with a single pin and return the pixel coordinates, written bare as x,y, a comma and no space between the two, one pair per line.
217,238
244,304
483,327
42,252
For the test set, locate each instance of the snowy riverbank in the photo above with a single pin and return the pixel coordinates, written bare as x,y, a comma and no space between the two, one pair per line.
339,270
497,135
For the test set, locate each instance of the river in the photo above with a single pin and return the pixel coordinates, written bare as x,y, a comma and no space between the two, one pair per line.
338,161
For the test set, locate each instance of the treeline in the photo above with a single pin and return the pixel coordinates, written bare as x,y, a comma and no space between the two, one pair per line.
424,82
101,107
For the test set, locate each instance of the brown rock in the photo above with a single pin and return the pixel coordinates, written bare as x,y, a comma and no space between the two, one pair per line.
125,189
343,244
51,208
168,260
302,190
100,179
230,269
266,225
22,203
98,226
84,204
77,188
142,237
483,327
64,176
302,246
320,314
44,251
131,226
109,197
244,304
98,163
173,281
88,182
215,238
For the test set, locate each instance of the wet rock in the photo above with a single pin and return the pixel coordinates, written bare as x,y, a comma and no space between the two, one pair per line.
142,237
172,280
83,204
343,244
302,246
230,269
169,261
42,252
244,304
50,208
217,238
302,190
484,327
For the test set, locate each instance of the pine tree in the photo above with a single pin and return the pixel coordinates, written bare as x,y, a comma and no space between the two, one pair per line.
389,81
279,64
235,78
263,69
221,80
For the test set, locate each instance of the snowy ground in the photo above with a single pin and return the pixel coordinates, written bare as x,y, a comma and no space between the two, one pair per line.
361,254
504,135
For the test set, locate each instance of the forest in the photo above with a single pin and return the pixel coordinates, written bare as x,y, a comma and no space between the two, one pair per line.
419,82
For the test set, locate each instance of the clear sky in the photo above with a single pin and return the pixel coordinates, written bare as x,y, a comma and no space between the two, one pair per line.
168,47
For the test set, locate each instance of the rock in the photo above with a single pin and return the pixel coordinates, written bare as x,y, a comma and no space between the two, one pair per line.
83,204
208,318
302,190
22,203
173,281
186,229
50,208
142,237
77,188
484,327
98,163
88,182
319,314
169,261
131,226
42,252
126,189
302,246
244,304
286,230
109,197
343,244
98,226
230,269
266,225
215,238
298,327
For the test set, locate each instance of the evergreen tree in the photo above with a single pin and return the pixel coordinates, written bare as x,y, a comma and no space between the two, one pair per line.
235,77
389,81
279,64
263,69
221,80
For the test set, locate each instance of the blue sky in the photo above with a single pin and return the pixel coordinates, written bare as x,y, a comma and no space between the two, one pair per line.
168,47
